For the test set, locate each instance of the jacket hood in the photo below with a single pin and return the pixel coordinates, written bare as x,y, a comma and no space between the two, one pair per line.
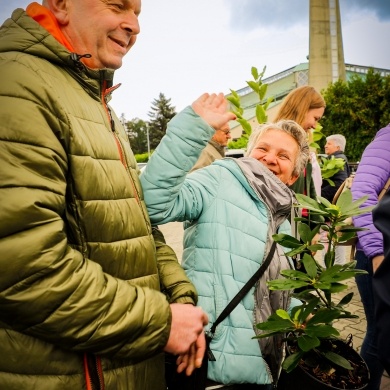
262,184
23,34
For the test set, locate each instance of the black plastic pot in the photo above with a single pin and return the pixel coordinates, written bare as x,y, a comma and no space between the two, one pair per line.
301,379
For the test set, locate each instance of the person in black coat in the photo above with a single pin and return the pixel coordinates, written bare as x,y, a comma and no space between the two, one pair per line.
335,145
381,282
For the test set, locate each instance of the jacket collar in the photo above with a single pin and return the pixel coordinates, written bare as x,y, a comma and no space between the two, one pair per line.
22,33
47,20
219,147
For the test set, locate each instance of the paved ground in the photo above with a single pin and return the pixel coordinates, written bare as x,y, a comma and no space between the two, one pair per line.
173,233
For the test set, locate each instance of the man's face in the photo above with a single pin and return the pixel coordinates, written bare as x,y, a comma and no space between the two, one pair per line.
106,29
222,135
330,147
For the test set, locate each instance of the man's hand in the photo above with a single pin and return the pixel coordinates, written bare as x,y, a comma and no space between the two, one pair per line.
187,325
213,109
193,359
376,262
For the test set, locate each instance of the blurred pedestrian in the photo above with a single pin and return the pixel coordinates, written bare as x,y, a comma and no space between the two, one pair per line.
215,148
334,148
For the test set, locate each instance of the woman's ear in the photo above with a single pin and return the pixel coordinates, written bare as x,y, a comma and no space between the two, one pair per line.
292,180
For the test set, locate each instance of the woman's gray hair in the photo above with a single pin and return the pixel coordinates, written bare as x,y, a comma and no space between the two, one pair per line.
294,130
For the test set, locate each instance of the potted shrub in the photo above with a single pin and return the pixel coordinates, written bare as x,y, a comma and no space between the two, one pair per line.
316,357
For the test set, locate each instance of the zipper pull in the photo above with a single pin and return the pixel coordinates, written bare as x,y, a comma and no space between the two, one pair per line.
112,123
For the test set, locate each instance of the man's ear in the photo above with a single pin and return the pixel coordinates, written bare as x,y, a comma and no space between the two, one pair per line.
292,180
60,10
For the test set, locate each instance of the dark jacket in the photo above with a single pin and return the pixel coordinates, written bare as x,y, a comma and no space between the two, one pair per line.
81,269
381,282
328,191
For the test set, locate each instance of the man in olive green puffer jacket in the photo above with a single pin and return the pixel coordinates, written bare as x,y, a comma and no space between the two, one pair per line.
90,294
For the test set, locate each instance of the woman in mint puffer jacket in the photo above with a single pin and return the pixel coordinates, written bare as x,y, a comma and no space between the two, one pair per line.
232,208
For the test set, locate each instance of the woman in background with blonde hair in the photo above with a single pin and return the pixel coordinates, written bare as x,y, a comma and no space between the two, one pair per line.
305,105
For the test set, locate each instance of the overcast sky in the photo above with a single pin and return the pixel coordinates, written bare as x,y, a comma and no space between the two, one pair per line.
187,47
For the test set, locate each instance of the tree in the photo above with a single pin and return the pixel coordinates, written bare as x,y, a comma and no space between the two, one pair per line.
357,109
136,130
161,113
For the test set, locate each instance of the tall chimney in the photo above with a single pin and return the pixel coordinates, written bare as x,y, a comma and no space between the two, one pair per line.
326,54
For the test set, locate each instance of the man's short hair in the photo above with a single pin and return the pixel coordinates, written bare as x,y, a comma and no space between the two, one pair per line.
339,140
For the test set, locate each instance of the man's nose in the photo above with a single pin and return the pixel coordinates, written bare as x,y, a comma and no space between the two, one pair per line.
130,23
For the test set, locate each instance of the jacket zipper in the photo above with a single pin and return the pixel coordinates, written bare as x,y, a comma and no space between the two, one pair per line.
105,92
93,372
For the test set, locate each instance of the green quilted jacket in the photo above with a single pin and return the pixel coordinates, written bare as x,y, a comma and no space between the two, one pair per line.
81,269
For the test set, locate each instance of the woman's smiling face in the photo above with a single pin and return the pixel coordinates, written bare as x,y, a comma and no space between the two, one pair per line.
278,151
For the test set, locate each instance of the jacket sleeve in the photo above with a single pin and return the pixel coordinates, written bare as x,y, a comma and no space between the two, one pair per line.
48,289
371,176
381,282
171,195
174,282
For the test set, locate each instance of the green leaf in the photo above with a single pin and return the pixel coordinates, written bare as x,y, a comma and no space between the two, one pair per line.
346,299
323,331
315,247
283,314
296,251
308,309
337,359
253,85
286,240
234,101
263,91
337,287
254,72
292,361
268,102
310,265
280,284
323,316
306,343
245,125
261,115
276,325
327,275
294,274
304,232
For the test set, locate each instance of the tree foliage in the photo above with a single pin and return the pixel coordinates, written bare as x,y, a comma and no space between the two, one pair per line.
357,109
161,113
136,130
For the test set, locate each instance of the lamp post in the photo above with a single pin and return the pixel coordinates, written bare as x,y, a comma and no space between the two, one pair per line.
147,137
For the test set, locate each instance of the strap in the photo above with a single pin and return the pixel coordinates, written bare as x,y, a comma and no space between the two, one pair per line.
245,289
384,190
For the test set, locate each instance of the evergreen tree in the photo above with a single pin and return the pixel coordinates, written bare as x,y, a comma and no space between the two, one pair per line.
161,113
357,109
136,130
